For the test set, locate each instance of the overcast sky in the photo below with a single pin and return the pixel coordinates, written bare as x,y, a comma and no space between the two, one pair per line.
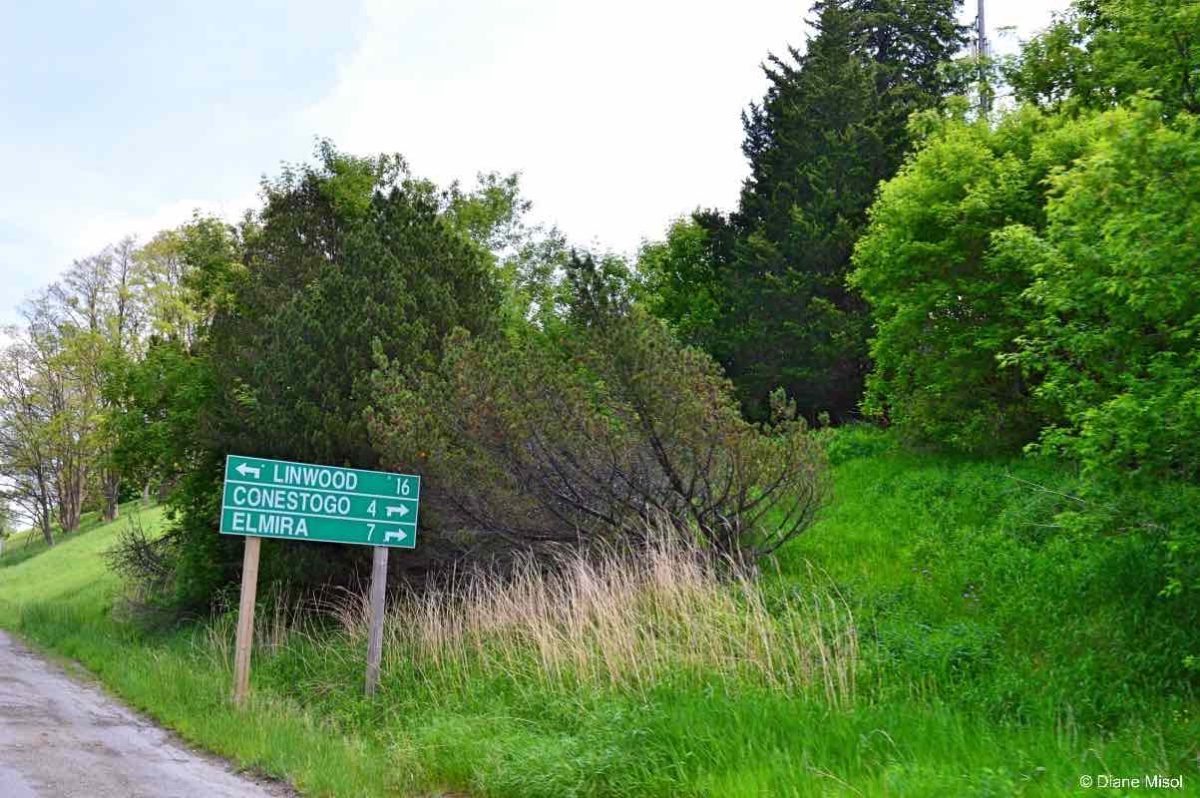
119,118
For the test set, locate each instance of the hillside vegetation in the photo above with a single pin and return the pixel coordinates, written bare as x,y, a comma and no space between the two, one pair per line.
931,634
882,482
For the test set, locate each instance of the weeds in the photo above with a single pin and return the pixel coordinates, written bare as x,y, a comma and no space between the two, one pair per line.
929,636
624,622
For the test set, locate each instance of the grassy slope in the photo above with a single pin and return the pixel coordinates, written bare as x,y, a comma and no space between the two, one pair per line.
63,600
30,543
999,659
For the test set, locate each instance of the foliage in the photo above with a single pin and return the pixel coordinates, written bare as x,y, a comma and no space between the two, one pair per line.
1117,297
1104,52
764,290
351,263
951,568
944,277
680,283
588,430
1033,277
186,275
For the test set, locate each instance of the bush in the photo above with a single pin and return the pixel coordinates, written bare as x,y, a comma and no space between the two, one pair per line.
1117,298
946,305
588,428
147,562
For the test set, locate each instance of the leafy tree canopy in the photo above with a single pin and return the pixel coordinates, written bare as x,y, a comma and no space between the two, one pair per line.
945,302
1102,52
1115,297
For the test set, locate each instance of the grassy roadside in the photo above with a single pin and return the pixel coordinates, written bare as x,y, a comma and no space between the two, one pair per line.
63,601
995,656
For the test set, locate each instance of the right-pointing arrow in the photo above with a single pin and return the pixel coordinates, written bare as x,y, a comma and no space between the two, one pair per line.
402,511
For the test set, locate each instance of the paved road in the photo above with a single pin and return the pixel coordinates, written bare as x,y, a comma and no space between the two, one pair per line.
62,738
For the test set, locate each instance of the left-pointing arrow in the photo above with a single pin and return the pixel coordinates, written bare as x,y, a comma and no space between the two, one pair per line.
244,469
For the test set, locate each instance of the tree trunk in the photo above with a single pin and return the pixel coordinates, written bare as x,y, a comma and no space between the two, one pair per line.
146,494
68,474
47,533
43,506
70,506
112,495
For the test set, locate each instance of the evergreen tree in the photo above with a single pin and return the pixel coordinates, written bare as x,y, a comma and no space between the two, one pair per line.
831,126
351,264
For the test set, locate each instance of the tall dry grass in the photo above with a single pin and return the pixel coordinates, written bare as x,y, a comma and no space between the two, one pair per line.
622,621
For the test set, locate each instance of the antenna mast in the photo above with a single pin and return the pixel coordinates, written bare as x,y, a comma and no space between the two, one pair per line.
981,52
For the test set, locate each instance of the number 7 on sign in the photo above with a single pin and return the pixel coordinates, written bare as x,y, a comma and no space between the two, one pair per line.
370,531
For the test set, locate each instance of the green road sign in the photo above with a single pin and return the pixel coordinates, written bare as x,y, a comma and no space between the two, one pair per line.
300,501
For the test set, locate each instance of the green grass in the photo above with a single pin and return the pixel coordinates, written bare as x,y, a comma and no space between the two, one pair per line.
1001,653
64,601
29,543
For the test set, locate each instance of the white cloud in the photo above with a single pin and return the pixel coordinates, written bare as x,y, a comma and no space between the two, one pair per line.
107,226
620,115
57,236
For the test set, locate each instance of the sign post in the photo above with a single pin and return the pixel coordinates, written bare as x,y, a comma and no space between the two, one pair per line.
245,624
379,560
301,501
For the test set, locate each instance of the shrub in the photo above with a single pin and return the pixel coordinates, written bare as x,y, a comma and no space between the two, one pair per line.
944,304
585,430
146,561
1117,298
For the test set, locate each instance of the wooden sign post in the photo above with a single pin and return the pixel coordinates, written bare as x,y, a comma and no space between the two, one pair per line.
245,624
375,640
301,501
